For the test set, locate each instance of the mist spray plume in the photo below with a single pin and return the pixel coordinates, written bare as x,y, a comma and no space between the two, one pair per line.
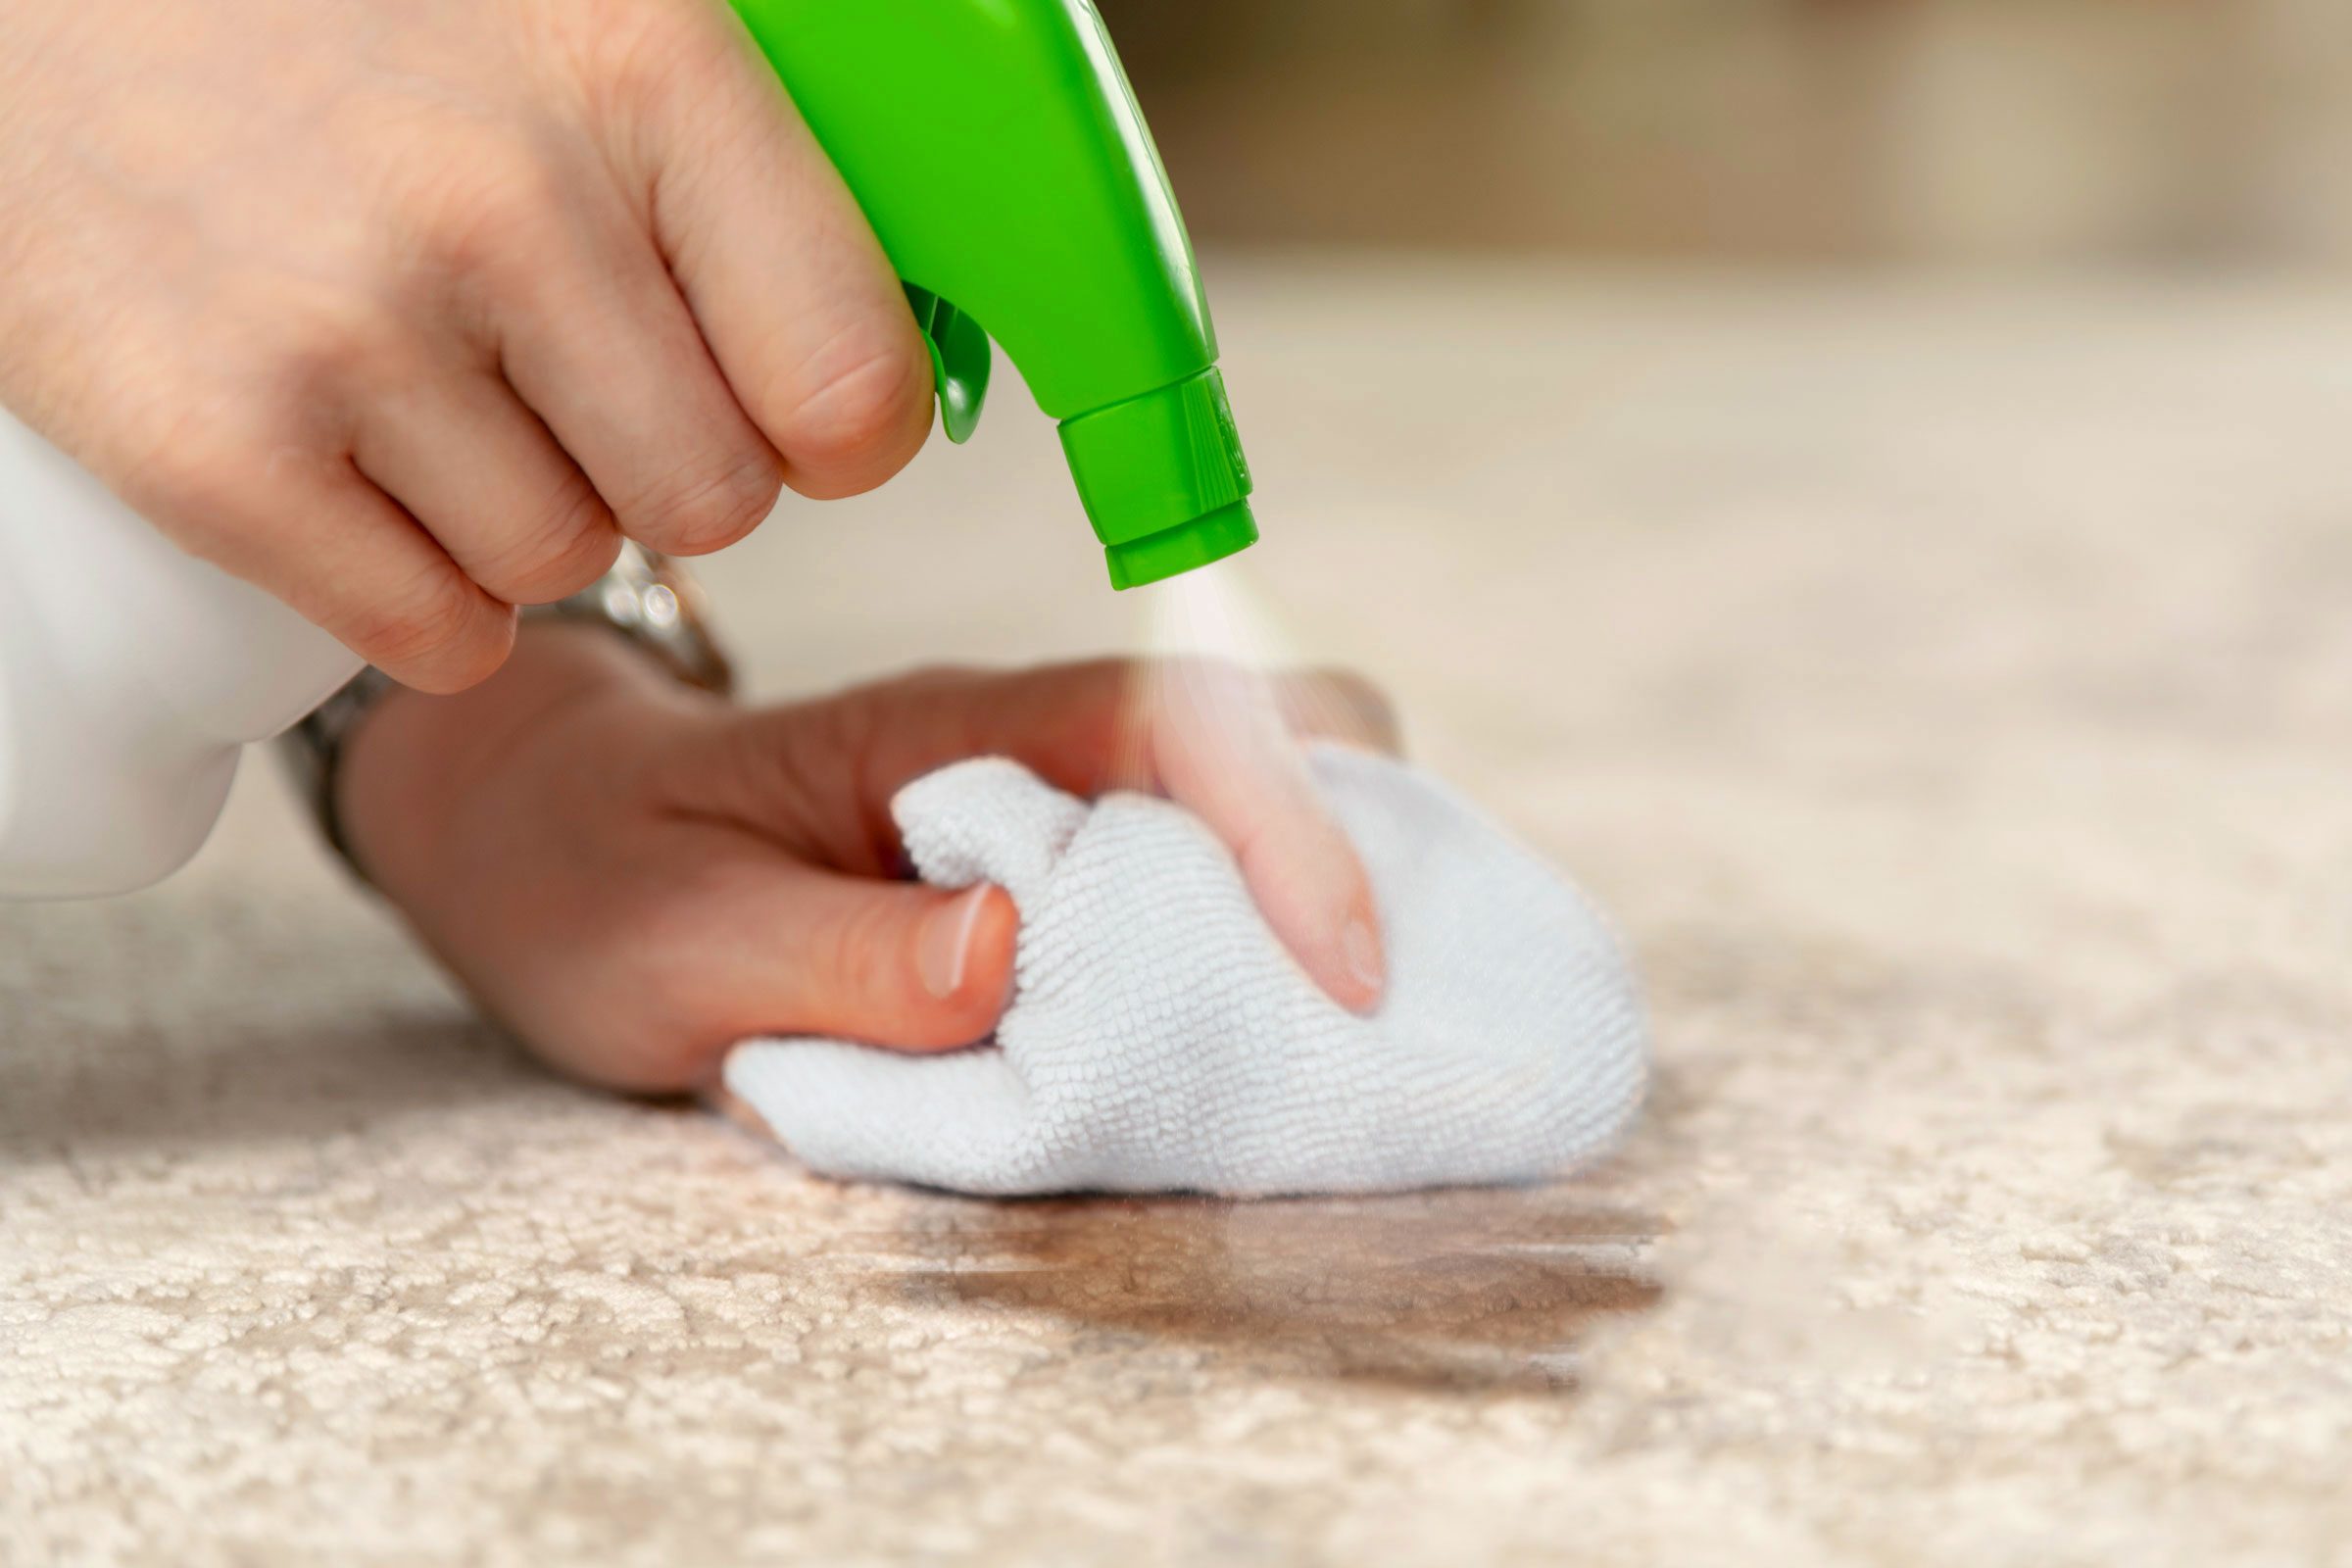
1219,662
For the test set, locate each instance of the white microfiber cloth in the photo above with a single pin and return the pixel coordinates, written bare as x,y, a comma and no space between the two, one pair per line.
1160,1038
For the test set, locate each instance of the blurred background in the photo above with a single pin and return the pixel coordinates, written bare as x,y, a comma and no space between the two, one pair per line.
2148,134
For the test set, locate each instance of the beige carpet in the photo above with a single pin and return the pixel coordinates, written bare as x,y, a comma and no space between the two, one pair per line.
1950,689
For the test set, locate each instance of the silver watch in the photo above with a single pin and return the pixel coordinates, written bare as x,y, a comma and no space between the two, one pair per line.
645,597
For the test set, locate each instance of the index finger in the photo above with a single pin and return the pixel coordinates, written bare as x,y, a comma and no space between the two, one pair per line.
792,290
1220,746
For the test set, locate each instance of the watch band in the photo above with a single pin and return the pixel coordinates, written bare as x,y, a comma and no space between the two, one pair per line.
645,597
654,603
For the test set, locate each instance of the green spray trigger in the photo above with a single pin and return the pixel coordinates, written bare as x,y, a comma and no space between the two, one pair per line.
960,362
997,150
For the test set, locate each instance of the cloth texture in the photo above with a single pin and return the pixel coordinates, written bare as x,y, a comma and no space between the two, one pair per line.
1160,1038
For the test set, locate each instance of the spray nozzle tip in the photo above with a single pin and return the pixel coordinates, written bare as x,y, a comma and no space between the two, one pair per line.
1172,552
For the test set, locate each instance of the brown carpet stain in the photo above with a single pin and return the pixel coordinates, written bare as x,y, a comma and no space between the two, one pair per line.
1468,1290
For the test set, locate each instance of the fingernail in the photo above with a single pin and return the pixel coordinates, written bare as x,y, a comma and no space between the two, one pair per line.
1359,945
945,950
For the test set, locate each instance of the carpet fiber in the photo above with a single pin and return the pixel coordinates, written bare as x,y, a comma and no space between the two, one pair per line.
1946,688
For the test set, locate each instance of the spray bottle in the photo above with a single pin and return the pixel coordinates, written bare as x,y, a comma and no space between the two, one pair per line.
998,152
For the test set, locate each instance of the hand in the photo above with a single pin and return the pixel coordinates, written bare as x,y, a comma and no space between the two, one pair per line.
408,310
633,875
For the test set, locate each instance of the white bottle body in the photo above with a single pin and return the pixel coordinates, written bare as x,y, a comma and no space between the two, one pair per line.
131,675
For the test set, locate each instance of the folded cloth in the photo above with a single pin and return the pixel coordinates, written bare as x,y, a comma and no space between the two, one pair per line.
1160,1038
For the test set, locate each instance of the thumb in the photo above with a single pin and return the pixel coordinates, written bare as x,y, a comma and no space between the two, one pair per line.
793,293
798,951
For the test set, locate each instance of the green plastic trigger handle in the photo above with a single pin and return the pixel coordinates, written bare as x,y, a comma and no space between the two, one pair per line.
997,150
960,362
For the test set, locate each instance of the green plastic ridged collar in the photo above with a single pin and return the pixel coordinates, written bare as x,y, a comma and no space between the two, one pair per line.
1163,479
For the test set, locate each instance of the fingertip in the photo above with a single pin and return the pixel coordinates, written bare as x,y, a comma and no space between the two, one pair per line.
963,958
1320,905
1363,959
851,426
1351,963
995,939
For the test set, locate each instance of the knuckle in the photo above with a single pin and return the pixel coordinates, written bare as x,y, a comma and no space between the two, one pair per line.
701,509
302,346
436,636
865,414
488,208
634,58
1363,707
194,475
335,343
571,543
222,486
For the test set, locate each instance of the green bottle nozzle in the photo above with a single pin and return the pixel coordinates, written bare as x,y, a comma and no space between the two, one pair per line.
997,150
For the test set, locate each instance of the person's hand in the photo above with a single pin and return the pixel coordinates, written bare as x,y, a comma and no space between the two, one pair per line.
633,876
408,310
